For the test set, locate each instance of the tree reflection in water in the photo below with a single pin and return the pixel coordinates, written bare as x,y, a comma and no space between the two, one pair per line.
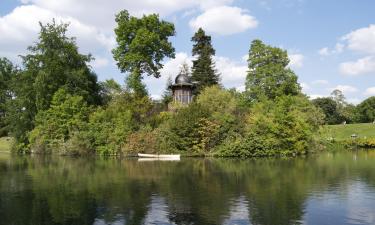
57,190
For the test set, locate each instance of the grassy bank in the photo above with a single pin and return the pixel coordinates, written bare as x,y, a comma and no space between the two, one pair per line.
342,135
344,132
5,144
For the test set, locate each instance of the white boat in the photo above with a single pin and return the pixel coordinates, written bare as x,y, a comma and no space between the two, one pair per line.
140,155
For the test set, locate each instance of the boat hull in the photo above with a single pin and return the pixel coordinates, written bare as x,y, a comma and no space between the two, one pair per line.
158,156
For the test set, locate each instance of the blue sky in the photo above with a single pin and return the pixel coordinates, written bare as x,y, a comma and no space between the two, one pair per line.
331,43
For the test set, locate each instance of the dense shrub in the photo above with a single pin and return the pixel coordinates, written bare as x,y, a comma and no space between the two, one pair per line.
144,140
281,127
54,127
110,127
179,131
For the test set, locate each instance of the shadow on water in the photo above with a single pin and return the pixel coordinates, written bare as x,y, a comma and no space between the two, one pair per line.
331,188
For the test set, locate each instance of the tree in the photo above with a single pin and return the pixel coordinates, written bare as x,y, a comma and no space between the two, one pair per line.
53,62
268,75
366,110
54,127
7,70
203,71
330,110
142,43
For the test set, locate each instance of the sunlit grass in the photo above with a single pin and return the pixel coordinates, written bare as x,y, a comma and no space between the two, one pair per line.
343,132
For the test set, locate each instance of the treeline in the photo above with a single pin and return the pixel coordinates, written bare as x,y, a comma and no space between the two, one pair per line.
337,110
53,103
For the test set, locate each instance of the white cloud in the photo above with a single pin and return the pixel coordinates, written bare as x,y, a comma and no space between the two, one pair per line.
20,28
315,96
224,20
324,51
99,62
362,40
241,88
354,101
337,50
370,91
296,60
320,82
102,13
206,4
305,87
172,67
361,66
346,89
156,97
233,74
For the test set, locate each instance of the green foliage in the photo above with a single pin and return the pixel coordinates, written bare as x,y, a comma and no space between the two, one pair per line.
366,110
55,127
144,140
180,131
110,127
330,109
7,71
204,124
284,126
268,75
203,71
336,109
53,62
142,43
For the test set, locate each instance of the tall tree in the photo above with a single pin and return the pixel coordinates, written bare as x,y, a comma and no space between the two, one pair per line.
142,43
268,75
53,62
7,70
203,71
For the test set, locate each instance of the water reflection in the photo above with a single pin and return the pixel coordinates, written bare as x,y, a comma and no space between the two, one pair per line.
332,188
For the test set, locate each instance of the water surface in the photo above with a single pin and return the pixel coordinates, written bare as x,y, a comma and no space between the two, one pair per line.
329,188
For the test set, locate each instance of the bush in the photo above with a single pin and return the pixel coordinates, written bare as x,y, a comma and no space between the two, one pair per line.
143,141
281,127
54,127
110,127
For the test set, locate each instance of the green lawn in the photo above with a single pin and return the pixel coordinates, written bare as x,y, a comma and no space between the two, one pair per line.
342,132
5,144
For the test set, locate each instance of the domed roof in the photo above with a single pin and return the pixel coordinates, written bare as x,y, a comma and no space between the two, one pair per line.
182,78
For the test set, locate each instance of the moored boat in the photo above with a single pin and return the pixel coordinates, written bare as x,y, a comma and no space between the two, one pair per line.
141,155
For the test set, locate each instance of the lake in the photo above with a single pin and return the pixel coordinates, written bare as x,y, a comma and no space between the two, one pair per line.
327,188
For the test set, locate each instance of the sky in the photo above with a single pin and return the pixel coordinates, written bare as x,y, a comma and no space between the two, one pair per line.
331,44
